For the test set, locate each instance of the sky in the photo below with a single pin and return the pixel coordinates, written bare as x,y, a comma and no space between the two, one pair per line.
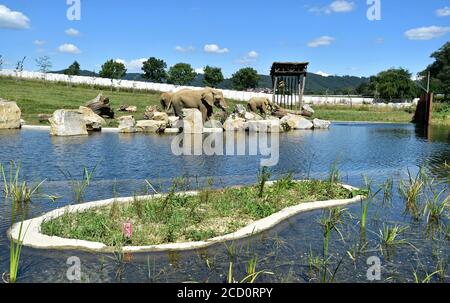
336,37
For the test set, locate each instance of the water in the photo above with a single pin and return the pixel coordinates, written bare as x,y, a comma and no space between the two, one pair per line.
125,162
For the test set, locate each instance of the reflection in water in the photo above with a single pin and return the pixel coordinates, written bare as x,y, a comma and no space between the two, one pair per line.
125,161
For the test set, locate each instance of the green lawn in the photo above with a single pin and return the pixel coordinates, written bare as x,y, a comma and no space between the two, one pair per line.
38,97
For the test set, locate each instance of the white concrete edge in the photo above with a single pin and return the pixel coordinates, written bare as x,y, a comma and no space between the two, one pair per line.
35,239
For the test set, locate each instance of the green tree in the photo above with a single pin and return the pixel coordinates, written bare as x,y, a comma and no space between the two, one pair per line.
181,74
154,70
44,64
73,69
213,76
113,70
440,70
245,78
393,84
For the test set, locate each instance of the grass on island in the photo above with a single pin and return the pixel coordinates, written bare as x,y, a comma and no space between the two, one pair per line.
182,218
36,97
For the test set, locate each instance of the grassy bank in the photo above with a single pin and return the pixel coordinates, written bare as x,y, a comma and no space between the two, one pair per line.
181,218
36,97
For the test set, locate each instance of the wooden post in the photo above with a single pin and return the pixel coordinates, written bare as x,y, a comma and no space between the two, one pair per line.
429,109
275,90
302,91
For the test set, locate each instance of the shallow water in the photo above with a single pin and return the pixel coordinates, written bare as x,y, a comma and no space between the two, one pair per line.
126,161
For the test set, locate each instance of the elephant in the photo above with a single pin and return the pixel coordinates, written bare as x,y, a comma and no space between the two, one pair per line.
261,104
166,101
203,100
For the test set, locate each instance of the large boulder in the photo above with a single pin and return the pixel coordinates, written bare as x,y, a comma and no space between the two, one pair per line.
240,110
174,122
93,121
163,117
295,122
101,106
192,121
150,126
307,111
9,115
264,126
213,124
321,124
252,116
67,123
127,124
235,123
149,112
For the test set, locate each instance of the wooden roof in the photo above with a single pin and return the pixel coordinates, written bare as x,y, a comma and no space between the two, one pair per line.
289,68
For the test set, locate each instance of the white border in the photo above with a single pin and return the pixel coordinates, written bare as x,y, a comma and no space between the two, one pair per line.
35,239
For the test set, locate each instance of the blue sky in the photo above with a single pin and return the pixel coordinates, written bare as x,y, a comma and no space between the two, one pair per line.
335,36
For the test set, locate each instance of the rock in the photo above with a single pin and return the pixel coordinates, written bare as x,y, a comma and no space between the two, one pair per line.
44,117
264,126
22,122
192,121
171,130
150,126
295,122
93,121
252,117
307,111
127,124
240,110
9,115
128,108
149,112
213,130
174,122
213,124
321,124
159,116
67,123
100,105
234,123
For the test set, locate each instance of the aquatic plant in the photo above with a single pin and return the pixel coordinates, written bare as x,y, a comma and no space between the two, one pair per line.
426,279
334,175
77,186
19,191
387,187
434,209
390,236
252,274
263,177
411,190
330,223
15,249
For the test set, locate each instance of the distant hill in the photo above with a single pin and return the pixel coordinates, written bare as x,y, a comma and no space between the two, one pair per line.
315,84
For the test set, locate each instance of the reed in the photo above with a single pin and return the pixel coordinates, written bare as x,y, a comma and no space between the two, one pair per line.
19,191
263,177
390,236
435,209
387,188
411,190
79,187
334,175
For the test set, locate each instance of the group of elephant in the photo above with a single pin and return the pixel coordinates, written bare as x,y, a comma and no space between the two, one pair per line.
206,99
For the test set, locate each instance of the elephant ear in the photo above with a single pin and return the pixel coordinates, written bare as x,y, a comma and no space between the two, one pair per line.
208,97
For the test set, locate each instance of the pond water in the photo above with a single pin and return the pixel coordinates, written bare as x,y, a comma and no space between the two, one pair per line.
124,162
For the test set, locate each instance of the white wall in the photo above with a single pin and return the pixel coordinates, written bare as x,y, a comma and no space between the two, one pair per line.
230,94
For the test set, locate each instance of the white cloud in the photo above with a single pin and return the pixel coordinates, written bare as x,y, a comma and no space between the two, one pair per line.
249,58
13,20
39,42
339,6
321,41
379,40
182,49
214,48
426,33
69,49
200,70
252,54
133,65
72,32
443,12
323,74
